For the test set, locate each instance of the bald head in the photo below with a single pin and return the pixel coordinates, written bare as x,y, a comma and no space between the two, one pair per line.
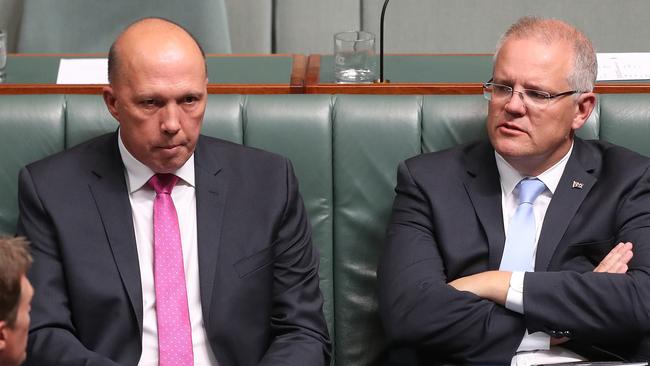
151,37
157,92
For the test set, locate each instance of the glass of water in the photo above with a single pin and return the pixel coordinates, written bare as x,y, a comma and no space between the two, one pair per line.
3,53
355,60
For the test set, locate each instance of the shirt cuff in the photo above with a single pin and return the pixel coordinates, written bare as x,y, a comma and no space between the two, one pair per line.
515,295
534,342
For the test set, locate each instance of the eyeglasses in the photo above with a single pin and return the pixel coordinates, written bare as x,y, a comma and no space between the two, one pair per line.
532,98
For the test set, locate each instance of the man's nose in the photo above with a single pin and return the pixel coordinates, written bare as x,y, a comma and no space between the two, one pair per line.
170,118
516,103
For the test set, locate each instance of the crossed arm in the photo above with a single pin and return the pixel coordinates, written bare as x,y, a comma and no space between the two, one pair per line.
493,285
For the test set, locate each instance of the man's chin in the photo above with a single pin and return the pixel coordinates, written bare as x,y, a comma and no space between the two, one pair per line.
509,147
169,160
167,165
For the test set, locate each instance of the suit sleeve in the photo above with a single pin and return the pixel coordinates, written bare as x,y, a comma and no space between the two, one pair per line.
417,306
600,307
52,339
300,335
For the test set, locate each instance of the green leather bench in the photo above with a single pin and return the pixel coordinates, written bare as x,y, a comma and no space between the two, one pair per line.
345,150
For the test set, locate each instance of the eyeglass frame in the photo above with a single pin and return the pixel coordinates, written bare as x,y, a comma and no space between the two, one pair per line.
542,93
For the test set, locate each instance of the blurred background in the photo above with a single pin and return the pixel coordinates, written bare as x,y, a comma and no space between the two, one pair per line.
307,26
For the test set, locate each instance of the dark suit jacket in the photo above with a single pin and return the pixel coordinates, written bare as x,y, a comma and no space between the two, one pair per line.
447,223
258,270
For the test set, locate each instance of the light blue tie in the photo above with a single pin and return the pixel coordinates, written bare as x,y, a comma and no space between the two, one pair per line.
520,239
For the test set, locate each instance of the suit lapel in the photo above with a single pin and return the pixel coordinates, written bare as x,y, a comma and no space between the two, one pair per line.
211,188
484,189
109,190
576,182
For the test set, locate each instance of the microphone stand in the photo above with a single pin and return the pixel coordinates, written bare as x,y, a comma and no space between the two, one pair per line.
381,45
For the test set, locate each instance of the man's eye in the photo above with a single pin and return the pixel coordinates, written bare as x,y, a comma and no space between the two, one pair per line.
148,103
190,100
502,89
536,94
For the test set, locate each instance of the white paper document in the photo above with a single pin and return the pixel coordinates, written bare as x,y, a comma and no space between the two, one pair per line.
83,71
623,66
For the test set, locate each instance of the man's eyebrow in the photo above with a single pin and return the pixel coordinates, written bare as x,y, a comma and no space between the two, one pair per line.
526,85
504,81
146,95
535,86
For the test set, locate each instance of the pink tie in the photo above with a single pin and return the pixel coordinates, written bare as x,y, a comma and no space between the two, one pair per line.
174,333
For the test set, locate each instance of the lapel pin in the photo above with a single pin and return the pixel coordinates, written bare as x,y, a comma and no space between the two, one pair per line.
577,185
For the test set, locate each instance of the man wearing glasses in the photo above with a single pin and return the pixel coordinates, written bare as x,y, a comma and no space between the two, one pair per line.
532,247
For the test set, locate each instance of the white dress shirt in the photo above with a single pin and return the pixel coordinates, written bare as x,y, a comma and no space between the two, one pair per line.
534,348
184,197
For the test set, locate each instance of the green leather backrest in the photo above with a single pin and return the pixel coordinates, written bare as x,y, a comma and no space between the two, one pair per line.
31,128
625,120
86,117
90,26
371,135
345,150
224,117
450,120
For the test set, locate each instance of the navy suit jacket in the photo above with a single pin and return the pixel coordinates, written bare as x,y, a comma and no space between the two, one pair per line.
258,270
447,223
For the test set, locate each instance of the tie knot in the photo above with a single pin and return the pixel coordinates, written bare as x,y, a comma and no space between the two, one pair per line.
529,189
163,183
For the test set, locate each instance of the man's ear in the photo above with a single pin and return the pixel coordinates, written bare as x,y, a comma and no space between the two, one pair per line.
584,106
110,100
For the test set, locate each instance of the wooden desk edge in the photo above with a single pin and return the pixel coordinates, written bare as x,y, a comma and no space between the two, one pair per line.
396,88
448,88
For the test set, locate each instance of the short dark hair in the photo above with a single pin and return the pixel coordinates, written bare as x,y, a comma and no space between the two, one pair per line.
14,263
113,60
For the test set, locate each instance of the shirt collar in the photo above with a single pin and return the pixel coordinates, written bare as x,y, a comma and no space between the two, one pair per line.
510,177
138,174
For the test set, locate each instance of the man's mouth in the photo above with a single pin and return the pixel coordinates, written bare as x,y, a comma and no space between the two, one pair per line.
510,128
170,148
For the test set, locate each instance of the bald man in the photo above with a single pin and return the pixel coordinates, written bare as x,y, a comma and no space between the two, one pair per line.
155,245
